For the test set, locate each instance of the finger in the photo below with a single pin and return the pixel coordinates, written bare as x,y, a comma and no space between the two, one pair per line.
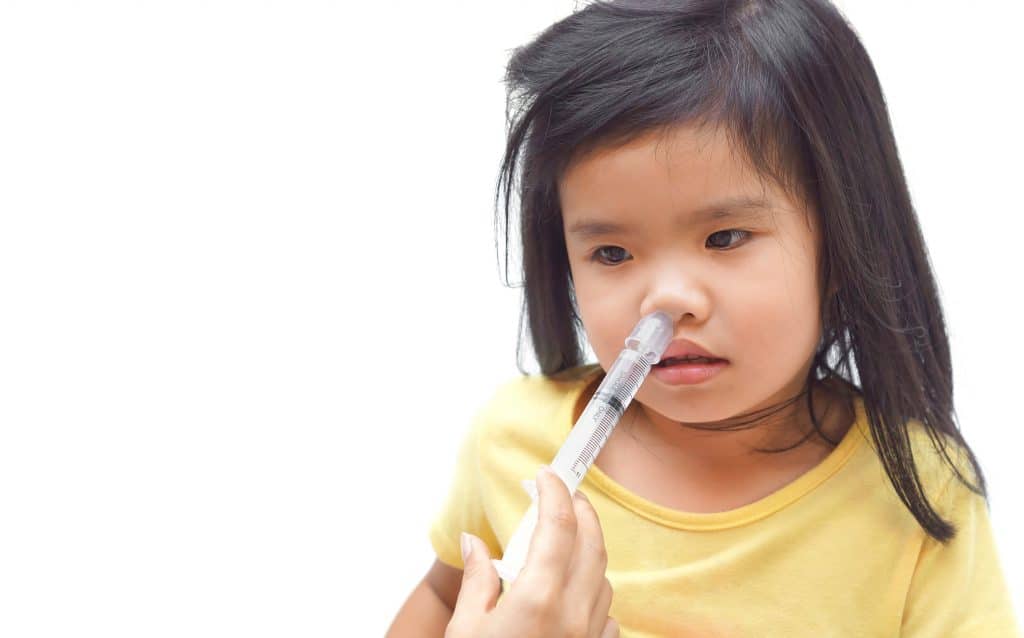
599,614
611,629
589,560
480,584
551,547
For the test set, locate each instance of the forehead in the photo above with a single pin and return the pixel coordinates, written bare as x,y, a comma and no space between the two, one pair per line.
684,165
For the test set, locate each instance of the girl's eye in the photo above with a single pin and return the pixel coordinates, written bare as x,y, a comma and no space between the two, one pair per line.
725,235
615,255
608,255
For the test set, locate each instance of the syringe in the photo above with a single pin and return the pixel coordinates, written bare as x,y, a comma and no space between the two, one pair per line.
644,348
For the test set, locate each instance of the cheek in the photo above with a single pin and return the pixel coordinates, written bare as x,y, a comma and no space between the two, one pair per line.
779,317
603,313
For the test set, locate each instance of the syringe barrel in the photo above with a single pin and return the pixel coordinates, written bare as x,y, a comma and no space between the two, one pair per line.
644,347
601,415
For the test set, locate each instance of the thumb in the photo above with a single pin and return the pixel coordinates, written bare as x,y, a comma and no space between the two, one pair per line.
480,584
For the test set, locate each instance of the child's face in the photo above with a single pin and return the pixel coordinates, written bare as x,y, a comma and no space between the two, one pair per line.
750,297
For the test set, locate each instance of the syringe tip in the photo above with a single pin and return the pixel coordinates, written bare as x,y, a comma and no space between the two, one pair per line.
651,336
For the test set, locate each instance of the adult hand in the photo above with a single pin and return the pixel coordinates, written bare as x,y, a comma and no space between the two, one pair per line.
560,592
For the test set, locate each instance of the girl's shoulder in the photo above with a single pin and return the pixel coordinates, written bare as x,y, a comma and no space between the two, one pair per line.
534,400
579,374
942,462
542,387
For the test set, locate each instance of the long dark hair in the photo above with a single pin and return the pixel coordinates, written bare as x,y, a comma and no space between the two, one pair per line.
791,83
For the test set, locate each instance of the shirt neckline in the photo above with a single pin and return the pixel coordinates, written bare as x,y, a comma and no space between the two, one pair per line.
743,515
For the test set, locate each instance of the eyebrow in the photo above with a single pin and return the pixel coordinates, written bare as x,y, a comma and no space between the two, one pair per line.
742,207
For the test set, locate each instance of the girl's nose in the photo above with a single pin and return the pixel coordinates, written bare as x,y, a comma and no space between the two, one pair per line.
682,297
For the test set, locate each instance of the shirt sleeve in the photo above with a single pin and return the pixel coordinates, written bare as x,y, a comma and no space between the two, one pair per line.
463,507
958,589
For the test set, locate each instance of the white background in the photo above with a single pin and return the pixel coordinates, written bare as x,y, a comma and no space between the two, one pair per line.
247,254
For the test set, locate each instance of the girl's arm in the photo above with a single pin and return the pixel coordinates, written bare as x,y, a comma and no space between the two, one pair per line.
429,608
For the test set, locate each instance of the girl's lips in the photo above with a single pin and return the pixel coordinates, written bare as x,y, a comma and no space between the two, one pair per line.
685,347
688,373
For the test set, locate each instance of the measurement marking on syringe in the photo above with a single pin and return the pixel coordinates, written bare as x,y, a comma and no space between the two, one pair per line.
596,441
607,420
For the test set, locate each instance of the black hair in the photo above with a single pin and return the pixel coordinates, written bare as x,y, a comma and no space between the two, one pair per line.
792,85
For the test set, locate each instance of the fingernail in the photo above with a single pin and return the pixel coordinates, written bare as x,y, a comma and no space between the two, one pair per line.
580,495
467,546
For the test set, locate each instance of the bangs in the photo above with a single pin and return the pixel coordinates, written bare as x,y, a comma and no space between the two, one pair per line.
683,71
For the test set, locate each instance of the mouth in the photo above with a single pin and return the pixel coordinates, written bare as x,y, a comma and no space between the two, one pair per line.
687,360
688,369
683,352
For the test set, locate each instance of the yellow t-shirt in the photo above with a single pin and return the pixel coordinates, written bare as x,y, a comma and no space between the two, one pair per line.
833,553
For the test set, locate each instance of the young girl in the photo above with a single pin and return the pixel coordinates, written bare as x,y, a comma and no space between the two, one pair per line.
792,467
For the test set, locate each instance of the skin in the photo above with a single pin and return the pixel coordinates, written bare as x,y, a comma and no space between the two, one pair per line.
746,288
561,590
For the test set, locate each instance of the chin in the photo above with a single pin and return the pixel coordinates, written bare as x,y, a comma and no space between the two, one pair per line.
689,406
691,403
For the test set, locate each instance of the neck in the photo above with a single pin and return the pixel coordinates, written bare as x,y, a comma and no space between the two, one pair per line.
704,448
